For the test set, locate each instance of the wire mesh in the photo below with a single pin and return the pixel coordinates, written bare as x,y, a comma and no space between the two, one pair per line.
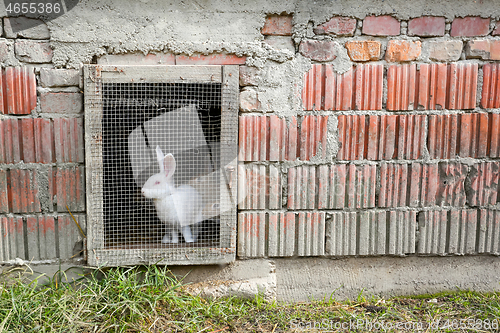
179,206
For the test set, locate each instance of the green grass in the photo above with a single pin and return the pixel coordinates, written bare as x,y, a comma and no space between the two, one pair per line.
151,300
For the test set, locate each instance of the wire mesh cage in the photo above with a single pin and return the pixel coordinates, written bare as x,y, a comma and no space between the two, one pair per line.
160,153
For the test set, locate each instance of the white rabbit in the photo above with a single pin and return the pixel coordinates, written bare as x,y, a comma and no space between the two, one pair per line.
179,206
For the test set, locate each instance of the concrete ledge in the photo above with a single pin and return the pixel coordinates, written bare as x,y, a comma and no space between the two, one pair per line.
305,279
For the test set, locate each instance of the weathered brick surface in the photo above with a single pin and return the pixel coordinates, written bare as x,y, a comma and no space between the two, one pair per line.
381,26
280,43
470,26
251,235
15,27
371,233
270,138
50,77
32,51
68,135
259,187
249,100
433,87
485,49
489,224
448,50
65,103
403,50
23,191
318,50
18,93
426,26
4,198
249,76
490,97
483,184
280,25
325,90
496,31
381,137
340,26
6,50
363,50
70,188
342,186
466,135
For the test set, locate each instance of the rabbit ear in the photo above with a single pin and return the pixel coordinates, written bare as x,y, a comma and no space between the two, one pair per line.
160,157
169,165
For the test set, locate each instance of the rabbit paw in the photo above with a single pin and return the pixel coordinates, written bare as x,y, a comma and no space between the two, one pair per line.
170,238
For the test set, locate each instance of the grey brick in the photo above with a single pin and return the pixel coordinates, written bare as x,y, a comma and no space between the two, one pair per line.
50,77
33,51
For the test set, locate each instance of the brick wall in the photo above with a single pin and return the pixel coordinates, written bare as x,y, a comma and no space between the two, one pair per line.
414,130
398,154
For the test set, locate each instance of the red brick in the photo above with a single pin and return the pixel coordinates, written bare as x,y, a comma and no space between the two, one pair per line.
259,187
268,138
318,50
422,185
462,86
313,135
213,59
282,234
44,141
426,26
401,87
466,135
368,86
496,31
67,103
17,90
68,136
490,98
28,140
323,89
381,26
451,189
433,87
486,49
445,50
424,179
381,137
12,238
394,183
470,26
402,50
278,25
23,189
302,187
70,189
483,184
340,26
363,50
11,136
251,235
4,199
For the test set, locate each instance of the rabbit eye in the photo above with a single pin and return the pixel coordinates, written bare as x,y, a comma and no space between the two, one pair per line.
157,183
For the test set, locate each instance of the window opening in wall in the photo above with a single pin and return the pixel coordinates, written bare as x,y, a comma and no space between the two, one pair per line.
157,170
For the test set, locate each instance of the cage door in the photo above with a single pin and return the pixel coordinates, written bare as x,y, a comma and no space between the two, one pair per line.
161,150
